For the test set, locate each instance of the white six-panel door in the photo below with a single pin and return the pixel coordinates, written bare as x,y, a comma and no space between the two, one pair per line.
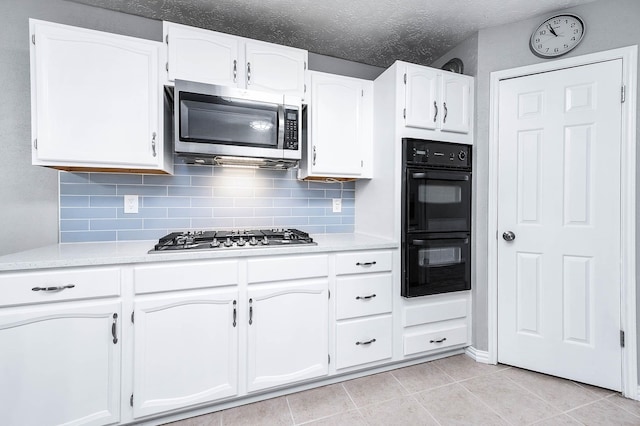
559,194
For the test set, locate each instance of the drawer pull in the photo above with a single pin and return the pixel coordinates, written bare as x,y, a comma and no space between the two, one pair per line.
368,342
365,297
58,288
438,341
235,313
114,332
366,263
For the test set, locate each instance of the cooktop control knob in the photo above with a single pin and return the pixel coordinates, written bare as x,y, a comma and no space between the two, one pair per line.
215,243
462,155
228,243
253,241
265,241
241,242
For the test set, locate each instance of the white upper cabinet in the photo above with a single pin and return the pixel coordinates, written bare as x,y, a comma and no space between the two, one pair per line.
437,100
339,128
210,57
95,100
205,56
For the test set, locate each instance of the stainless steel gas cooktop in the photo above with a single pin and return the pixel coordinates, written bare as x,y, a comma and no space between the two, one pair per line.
214,240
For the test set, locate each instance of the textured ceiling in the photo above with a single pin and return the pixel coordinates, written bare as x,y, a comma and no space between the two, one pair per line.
374,32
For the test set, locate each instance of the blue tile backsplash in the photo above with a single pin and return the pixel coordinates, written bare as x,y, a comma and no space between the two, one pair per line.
198,197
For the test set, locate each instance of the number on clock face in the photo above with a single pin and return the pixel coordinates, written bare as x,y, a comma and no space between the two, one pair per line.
557,35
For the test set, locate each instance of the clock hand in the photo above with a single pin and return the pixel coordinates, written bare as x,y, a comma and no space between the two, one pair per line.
552,30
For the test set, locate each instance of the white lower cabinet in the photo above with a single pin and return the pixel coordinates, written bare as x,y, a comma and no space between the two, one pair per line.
60,364
288,333
363,341
185,350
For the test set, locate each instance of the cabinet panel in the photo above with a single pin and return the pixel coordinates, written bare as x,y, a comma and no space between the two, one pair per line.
435,337
205,56
361,295
421,100
192,275
275,68
456,91
59,285
363,261
96,99
433,311
363,340
287,268
185,350
59,364
287,334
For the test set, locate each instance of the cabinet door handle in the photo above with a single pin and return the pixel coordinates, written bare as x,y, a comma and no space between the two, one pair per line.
366,263
235,313
114,330
235,70
314,155
438,341
250,311
153,143
435,106
365,297
446,111
248,72
368,342
58,288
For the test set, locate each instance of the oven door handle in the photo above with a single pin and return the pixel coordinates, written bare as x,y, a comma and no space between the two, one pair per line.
440,176
427,242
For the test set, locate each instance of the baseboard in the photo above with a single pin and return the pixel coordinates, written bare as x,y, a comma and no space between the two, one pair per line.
477,355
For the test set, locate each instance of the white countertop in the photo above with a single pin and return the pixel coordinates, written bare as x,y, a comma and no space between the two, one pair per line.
86,254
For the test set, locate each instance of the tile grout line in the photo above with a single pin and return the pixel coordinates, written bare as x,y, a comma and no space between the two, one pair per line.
293,420
484,403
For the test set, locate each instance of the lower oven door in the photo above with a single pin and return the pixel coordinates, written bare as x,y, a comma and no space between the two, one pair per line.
436,263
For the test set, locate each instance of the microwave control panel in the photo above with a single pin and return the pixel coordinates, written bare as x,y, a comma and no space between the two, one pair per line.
291,129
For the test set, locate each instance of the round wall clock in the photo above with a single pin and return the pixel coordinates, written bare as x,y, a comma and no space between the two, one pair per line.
557,35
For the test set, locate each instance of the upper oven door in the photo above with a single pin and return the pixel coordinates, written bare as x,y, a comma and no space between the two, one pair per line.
437,201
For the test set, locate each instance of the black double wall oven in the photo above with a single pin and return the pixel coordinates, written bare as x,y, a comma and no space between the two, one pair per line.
436,217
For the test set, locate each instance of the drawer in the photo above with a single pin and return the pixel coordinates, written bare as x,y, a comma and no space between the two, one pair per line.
283,268
433,311
362,341
434,338
358,262
359,296
73,284
183,276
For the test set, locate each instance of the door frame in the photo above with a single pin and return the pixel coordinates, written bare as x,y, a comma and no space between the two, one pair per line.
629,56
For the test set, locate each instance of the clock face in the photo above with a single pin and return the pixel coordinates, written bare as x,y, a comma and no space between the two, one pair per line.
557,35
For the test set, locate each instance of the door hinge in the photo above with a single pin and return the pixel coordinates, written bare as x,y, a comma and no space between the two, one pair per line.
133,317
166,38
166,65
33,39
329,293
35,143
404,113
305,65
361,163
405,78
363,93
622,338
305,88
623,94
328,359
131,400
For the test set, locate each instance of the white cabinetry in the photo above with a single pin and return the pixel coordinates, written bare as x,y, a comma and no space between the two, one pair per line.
339,128
437,100
364,326
185,342
210,57
60,362
95,101
287,320
436,323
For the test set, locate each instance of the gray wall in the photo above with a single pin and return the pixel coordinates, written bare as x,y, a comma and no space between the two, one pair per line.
29,194
610,24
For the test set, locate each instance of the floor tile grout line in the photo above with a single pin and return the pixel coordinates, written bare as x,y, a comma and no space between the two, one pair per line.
293,419
484,403
618,405
537,396
425,408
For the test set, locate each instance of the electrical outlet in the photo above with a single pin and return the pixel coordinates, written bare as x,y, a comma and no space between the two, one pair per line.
131,204
337,205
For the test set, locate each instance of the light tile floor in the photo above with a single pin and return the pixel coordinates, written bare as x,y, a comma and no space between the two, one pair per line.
449,391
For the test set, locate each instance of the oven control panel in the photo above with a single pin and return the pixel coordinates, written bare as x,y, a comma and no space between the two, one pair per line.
437,154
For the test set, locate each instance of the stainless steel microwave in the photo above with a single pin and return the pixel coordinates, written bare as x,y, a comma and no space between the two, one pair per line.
226,125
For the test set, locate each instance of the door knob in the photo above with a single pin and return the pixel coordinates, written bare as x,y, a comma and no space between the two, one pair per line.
508,236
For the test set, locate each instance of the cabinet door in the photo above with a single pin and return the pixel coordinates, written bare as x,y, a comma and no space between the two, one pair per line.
456,91
274,68
288,333
421,101
59,364
204,56
96,98
336,125
185,350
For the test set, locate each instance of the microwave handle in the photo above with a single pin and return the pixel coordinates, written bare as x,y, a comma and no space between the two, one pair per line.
281,113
